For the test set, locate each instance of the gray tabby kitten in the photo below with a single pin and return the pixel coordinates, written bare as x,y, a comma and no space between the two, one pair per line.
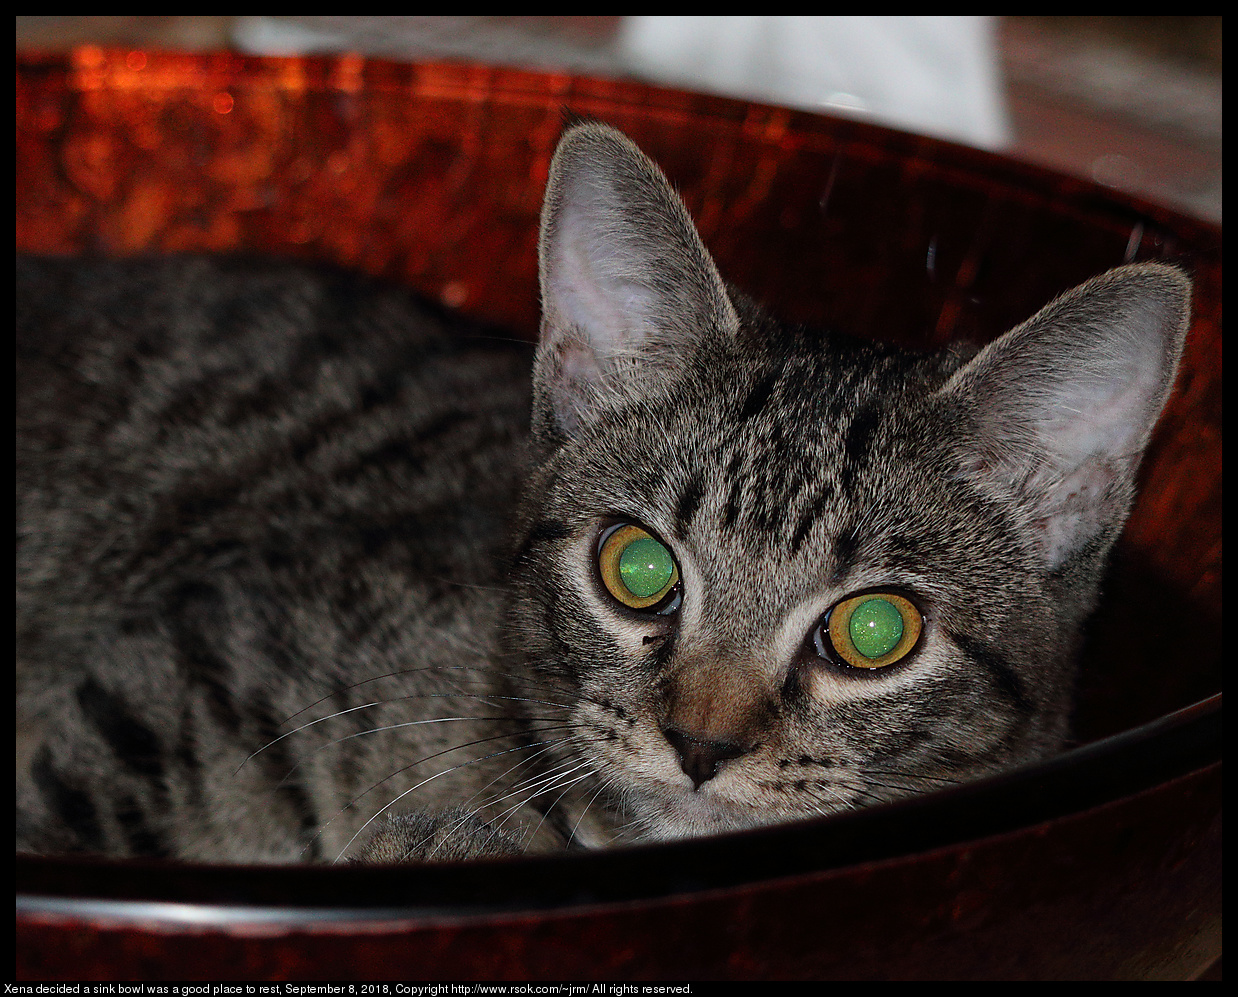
296,578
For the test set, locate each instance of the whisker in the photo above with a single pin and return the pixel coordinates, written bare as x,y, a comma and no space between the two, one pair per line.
352,803
412,788
405,723
537,791
593,799
543,783
488,699
398,673
558,780
543,748
520,788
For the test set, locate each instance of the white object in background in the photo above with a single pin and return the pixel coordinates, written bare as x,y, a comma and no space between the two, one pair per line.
936,75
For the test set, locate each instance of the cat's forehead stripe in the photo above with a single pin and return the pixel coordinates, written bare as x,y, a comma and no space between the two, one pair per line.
689,500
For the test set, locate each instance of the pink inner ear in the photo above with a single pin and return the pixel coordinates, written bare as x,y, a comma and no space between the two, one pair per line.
579,291
1107,413
573,383
1078,507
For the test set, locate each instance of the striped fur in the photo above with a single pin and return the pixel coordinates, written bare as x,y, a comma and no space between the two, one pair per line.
299,577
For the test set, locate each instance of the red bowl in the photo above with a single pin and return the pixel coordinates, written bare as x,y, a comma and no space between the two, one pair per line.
1103,862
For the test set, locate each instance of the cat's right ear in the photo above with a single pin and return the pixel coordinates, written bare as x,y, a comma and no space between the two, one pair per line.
628,287
1062,406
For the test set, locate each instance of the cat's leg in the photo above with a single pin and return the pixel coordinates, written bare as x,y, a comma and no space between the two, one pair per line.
452,835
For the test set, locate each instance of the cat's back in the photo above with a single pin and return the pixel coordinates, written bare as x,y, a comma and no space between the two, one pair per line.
167,394
172,403
231,475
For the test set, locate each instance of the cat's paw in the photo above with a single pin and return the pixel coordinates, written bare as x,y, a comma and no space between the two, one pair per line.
452,835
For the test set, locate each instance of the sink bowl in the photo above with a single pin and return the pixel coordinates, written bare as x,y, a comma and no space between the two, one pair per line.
1103,862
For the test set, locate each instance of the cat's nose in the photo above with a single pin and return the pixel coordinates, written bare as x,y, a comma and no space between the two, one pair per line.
700,757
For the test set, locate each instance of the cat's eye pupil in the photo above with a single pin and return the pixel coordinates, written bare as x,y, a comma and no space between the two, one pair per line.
645,567
876,628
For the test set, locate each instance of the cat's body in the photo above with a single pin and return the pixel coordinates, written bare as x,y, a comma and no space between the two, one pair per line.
236,526
291,555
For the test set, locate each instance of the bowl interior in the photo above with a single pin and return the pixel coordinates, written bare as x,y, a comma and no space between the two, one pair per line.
1105,860
433,175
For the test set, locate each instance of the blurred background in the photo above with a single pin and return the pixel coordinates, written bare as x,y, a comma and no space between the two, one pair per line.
1130,102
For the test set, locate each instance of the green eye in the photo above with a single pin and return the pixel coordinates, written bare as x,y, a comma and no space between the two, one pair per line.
636,568
873,630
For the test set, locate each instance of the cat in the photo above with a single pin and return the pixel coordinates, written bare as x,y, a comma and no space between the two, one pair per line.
309,569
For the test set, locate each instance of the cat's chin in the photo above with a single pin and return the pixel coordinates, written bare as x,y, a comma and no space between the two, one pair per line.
675,814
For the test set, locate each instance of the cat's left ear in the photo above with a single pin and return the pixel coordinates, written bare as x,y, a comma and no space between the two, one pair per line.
628,288
1062,406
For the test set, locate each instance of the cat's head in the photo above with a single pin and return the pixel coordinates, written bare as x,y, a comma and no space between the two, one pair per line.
777,572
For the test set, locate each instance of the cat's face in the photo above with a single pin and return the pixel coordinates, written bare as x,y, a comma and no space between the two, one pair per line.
766,573
767,594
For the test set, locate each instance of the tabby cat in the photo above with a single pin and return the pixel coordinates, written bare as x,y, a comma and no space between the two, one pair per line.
298,578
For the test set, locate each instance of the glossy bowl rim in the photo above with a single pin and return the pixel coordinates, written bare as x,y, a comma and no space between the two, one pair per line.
1080,779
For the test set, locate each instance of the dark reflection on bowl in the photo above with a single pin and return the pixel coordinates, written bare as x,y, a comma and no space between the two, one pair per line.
1104,862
